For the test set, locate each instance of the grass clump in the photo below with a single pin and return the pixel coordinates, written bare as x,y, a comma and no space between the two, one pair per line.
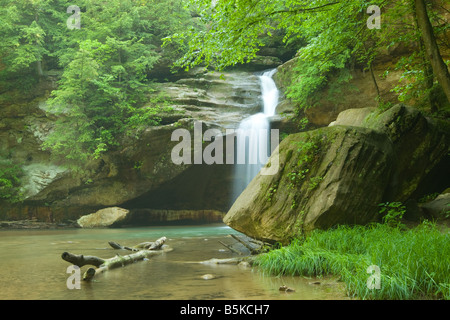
413,264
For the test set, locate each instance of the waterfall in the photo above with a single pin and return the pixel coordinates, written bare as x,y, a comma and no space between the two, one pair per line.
253,136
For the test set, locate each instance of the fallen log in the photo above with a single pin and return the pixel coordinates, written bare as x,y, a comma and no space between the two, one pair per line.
82,260
103,265
115,245
121,261
230,248
237,260
254,246
144,245
248,246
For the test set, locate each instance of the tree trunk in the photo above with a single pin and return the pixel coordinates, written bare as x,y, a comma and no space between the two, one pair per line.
39,70
149,249
440,69
427,69
121,261
374,80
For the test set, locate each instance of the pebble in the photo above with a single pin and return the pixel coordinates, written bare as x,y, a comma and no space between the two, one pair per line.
208,276
244,264
284,288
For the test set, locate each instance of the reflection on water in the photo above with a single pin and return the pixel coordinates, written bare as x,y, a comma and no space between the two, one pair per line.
31,267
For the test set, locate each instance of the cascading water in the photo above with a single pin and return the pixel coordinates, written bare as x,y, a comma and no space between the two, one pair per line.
253,136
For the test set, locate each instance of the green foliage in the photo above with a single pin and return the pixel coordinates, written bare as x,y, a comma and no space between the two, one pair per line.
413,264
10,182
392,213
297,177
428,197
332,37
271,192
308,150
417,82
333,34
314,182
107,65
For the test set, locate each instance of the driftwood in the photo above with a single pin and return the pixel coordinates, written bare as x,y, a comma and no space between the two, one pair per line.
255,247
252,245
248,259
230,248
144,245
148,249
252,249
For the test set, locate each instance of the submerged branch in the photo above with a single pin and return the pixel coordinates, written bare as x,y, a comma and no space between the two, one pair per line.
82,260
149,249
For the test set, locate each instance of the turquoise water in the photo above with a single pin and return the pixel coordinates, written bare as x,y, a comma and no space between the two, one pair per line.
31,267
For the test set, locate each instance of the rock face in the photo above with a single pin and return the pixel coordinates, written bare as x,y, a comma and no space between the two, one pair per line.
106,217
143,217
119,217
439,207
322,181
359,92
421,148
339,174
140,174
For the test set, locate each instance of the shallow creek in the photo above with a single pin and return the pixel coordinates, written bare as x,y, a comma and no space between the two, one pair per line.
31,267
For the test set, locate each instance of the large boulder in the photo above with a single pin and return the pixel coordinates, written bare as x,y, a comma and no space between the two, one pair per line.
106,217
341,173
421,146
439,207
326,177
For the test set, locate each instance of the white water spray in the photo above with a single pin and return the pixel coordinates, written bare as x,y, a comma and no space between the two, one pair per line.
253,136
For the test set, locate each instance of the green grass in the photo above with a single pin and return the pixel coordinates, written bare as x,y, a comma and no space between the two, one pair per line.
413,264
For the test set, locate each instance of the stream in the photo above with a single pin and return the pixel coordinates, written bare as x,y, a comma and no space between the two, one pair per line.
31,267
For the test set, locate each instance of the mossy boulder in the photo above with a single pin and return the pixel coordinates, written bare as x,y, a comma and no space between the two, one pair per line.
327,176
106,217
421,147
341,173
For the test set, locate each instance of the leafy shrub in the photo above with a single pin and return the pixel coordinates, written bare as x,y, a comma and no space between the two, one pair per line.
393,213
10,181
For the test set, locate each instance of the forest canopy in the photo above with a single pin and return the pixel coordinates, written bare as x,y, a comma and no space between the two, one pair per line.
337,37
109,53
106,64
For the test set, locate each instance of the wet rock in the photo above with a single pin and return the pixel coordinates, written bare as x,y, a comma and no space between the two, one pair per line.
339,174
439,207
285,288
244,264
208,276
37,176
106,217
421,146
322,181
353,117
162,216
34,225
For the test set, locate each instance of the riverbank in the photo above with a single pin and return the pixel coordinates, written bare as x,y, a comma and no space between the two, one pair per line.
376,262
34,225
